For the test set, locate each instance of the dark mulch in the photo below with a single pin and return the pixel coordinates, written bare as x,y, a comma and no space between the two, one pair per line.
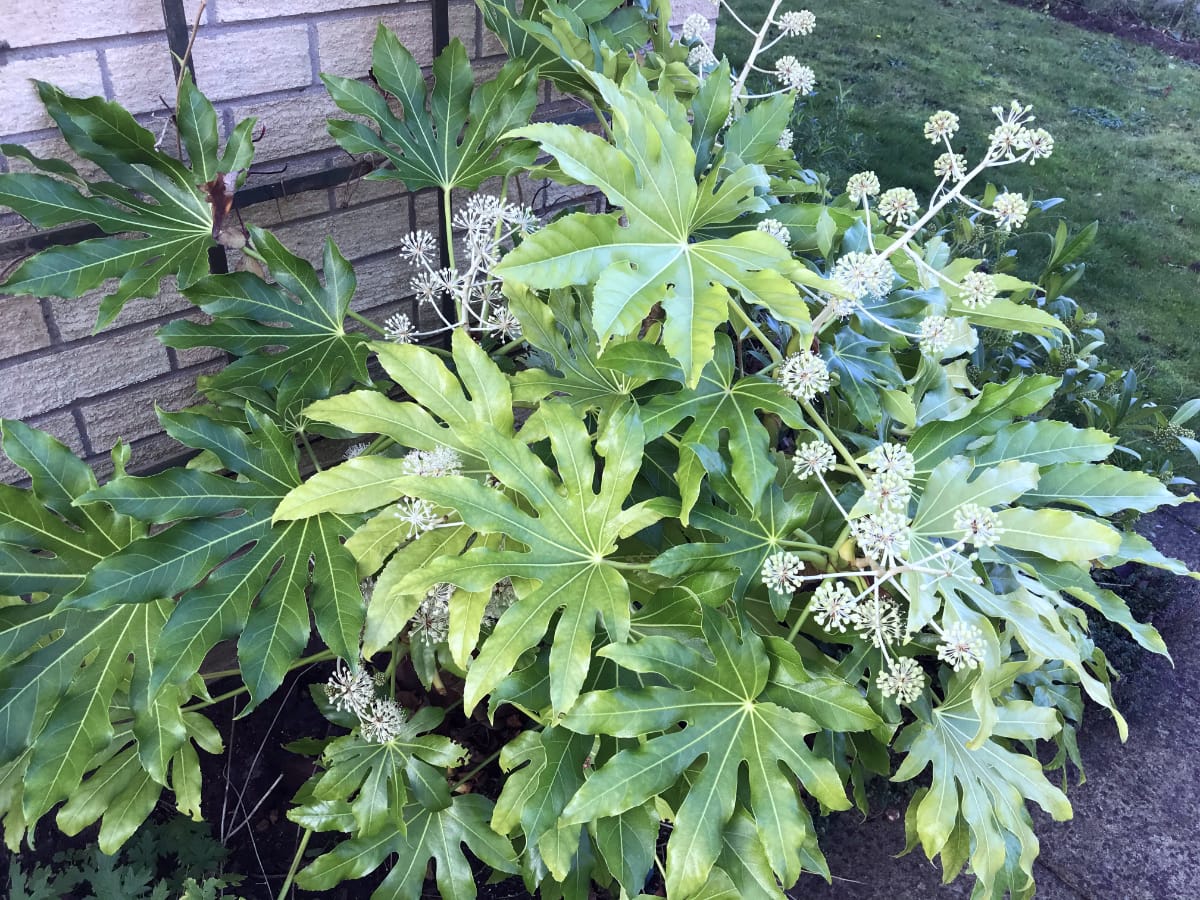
1120,23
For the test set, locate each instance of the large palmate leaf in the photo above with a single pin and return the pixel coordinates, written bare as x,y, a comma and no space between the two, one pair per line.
548,36
78,720
747,534
654,259
454,136
562,330
549,769
864,367
977,796
290,336
724,406
569,536
366,784
730,724
420,836
569,531
168,215
259,593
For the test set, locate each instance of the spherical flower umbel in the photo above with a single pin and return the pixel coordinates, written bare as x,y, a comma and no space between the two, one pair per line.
978,290
783,572
903,679
1010,210
978,525
863,274
399,328
861,186
786,139
355,450
950,165
813,458
418,514
942,125
796,23
1039,144
418,246
794,75
883,536
887,490
701,57
803,375
431,621
832,605
891,457
961,646
382,722
695,27
898,205
440,461
876,619
935,335
775,229
349,691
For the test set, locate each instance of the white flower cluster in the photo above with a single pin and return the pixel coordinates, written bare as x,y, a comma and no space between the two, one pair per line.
813,458
903,679
431,621
884,534
950,165
961,646
487,223
794,76
775,229
1010,210
803,375
434,463
862,186
355,450
419,515
380,719
899,205
833,605
1014,140
978,525
978,289
935,335
942,126
864,275
796,23
783,572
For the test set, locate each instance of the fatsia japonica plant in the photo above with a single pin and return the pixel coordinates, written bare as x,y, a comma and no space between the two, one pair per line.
697,491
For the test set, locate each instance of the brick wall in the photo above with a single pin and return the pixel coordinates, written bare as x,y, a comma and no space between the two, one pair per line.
252,58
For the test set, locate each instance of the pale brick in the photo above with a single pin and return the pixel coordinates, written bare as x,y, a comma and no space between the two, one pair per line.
359,231
76,318
76,73
363,190
462,24
290,127
84,370
22,327
149,454
61,425
241,10
29,23
193,356
491,45
382,282
286,209
130,415
344,45
227,66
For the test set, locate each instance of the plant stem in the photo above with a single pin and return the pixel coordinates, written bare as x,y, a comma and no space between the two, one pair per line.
322,656
754,51
295,867
756,331
359,317
308,447
475,771
801,619
833,439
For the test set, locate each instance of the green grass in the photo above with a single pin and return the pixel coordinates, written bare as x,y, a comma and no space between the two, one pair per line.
1126,122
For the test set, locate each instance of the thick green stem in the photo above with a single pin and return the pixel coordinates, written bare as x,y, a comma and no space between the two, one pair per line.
359,317
479,768
833,439
756,331
295,867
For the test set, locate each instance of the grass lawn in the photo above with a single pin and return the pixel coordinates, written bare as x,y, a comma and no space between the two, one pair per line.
1126,123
